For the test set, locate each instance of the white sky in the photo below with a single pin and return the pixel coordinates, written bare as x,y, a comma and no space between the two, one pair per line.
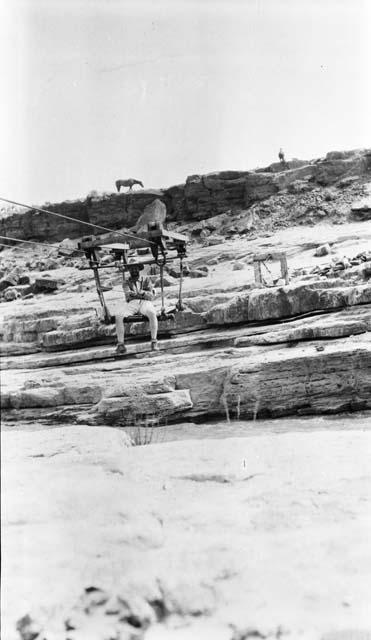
95,90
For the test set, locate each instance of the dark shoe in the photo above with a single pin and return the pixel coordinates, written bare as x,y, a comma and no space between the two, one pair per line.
154,345
121,349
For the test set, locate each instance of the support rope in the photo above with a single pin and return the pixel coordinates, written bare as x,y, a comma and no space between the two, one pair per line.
62,215
41,244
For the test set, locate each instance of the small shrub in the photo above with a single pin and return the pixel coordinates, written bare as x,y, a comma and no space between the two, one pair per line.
145,429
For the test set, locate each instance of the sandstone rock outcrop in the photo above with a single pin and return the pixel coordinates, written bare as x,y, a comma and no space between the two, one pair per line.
339,164
361,208
202,196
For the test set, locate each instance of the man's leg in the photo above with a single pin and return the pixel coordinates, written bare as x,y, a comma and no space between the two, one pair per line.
120,328
148,310
130,309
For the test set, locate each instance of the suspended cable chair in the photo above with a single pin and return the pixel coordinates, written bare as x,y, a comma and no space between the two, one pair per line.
165,246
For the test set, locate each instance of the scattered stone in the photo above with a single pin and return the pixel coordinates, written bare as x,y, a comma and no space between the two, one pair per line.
45,284
68,248
299,186
168,281
238,266
214,240
11,294
9,281
329,194
197,273
24,289
24,279
28,629
323,250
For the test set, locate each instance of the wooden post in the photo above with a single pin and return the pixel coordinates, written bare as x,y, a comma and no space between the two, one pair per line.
258,272
284,269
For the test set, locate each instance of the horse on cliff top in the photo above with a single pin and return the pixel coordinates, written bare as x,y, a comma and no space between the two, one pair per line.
129,182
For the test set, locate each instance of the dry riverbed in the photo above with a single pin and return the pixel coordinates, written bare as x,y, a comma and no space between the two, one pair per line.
211,537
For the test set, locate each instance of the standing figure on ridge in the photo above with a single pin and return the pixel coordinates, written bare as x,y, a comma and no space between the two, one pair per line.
281,156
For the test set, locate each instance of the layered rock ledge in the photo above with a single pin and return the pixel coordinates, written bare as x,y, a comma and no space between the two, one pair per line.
201,197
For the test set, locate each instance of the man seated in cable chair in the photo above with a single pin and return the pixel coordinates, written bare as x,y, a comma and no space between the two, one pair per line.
139,293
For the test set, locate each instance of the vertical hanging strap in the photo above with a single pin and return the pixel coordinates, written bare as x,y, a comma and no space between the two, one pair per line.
179,304
107,315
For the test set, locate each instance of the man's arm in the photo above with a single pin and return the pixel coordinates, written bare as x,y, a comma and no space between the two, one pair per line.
127,290
148,292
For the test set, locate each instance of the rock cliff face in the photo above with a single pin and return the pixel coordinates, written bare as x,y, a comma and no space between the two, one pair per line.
201,197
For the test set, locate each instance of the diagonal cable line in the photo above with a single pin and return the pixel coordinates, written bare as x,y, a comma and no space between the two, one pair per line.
41,244
90,224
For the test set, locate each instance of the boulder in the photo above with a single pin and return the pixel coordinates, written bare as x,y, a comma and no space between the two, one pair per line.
9,280
68,248
215,240
42,285
238,266
322,250
136,403
154,213
11,294
24,289
197,273
24,279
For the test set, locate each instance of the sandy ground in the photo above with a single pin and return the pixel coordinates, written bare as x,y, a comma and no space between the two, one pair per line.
269,531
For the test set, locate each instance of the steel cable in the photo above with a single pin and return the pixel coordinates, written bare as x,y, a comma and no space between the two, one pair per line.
90,224
41,244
